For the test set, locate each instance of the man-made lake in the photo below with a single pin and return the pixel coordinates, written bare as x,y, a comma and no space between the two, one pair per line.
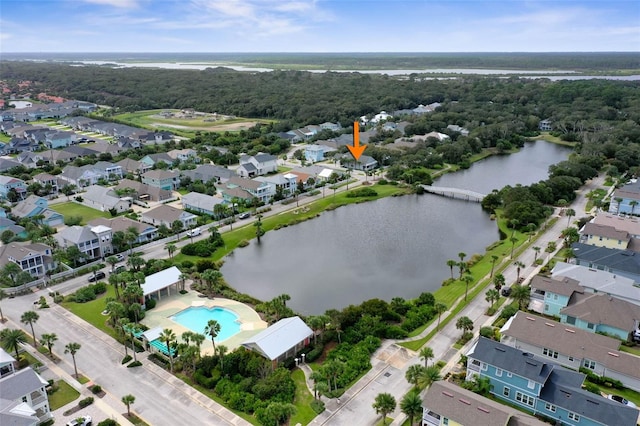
394,247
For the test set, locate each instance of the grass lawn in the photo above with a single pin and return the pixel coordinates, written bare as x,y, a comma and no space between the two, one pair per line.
71,208
634,350
302,401
92,311
64,395
34,363
386,421
627,394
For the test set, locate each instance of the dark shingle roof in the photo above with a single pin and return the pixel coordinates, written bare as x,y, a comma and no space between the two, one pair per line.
622,260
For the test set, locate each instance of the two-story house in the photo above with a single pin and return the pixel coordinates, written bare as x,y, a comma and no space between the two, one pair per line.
34,258
37,208
57,139
209,172
626,200
163,179
143,192
259,190
549,295
166,215
133,167
314,153
285,184
23,396
572,347
604,236
545,125
257,165
619,262
9,184
144,231
49,182
112,171
184,155
153,159
106,199
94,242
364,163
543,387
82,176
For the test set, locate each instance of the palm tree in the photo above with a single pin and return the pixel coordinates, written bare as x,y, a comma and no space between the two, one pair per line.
426,353
518,264
411,406
183,277
521,293
128,400
428,376
451,263
571,212
499,281
48,340
167,337
222,351
317,377
212,329
536,249
213,279
3,294
30,317
198,339
171,248
465,324
468,279
258,225
513,240
316,323
73,348
494,258
440,308
492,296
12,339
413,373
112,260
618,201
384,404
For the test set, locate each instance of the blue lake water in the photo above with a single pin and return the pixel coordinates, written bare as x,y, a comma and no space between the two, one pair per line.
195,318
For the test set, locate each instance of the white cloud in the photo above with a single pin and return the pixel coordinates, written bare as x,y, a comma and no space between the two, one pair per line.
5,36
127,4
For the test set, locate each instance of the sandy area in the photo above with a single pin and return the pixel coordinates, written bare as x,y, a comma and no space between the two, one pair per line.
222,127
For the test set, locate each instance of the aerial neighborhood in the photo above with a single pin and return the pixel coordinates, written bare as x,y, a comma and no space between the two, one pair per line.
116,224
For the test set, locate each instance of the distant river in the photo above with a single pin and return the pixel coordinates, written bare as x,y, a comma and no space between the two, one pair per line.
395,246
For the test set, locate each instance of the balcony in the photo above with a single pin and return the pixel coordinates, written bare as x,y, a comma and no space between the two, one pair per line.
431,418
473,367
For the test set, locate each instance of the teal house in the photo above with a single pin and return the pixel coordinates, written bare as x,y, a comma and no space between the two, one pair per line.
549,296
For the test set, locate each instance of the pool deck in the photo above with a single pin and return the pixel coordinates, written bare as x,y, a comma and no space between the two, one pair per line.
250,322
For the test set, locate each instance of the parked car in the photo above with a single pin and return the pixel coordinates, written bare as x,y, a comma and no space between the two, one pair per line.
244,215
194,232
97,276
119,269
506,291
80,421
120,257
621,400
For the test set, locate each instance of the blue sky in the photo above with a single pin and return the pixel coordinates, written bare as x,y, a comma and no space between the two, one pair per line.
318,26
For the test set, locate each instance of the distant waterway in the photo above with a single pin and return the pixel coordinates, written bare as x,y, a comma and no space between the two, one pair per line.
393,247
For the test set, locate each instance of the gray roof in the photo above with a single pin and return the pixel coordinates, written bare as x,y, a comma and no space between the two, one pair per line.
205,172
468,408
19,251
102,195
248,167
263,158
14,413
280,337
21,383
606,310
605,231
628,224
121,223
562,286
247,184
160,174
156,193
26,206
76,234
165,213
201,200
511,359
621,260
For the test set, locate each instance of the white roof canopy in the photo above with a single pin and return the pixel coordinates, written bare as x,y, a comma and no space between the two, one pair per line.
280,337
161,280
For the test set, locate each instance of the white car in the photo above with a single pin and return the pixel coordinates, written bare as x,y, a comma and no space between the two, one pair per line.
621,400
120,257
80,421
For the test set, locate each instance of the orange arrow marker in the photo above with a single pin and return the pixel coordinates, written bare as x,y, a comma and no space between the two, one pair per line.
356,149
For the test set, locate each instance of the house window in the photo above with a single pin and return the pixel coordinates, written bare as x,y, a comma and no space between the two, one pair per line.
498,372
590,326
550,407
509,374
445,421
506,391
571,320
525,399
24,399
555,297
549,353
574,417
571,358
484,366
531,384
589,364
546,307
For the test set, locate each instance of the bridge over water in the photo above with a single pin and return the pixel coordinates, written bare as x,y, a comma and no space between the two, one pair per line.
461,194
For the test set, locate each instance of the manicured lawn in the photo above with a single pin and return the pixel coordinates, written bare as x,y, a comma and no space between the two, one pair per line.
74,209
92,311
302,400
627,394
634,350
64,395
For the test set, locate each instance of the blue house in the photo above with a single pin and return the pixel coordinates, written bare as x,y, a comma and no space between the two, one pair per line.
59,139
35,206
626,200
314,153
549,296
543,388
618,262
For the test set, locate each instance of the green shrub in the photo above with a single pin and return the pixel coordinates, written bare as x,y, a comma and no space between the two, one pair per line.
317,406
150,304
362,192
509,311
314,353
86,402
134,364
126,359
95,389
108,422
84,294
592,387
99,288
243,243
487,332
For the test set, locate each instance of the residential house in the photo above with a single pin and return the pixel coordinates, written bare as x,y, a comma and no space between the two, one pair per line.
257,165
231,195
7,164
17,145
38,209
23,395
144,231
604,236
166,215
381,116
9,225
111,170
184,155
57,139
364,163
597,281
9,184
259,190
549,296
83,176
133,167
163,179
94,242
34,258
334,127
572,347
101,147
153,159
54,156
619,262
81,151
29,159
49,182
285,184
306,180
545,125
105,199
281,340
143,192
209,172
542,387
201,203
625,200
445,403
458,129
315,153
630,225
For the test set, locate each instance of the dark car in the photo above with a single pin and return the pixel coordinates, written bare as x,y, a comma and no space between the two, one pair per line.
97,276
506,291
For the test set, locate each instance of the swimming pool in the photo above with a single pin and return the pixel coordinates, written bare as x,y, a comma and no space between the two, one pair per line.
195,318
